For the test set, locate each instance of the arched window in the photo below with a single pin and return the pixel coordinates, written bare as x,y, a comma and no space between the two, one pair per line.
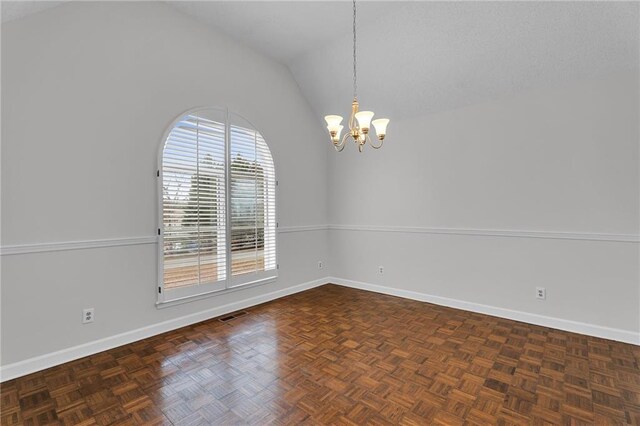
218,222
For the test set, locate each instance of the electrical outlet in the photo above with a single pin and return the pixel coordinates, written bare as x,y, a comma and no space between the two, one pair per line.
320,264
87,315
381,269
541,293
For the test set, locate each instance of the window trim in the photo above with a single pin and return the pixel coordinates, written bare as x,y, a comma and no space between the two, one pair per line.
229,284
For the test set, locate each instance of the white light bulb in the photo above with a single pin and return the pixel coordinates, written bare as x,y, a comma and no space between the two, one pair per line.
336,138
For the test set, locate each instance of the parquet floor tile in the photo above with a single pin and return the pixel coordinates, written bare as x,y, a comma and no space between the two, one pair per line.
339,356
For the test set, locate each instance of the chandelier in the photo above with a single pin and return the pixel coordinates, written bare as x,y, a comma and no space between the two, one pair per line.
359,121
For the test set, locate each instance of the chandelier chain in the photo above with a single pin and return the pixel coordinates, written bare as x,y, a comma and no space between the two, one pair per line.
360,122
355,83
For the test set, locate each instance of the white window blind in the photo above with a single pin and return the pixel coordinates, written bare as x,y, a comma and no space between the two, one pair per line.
207,165
252,190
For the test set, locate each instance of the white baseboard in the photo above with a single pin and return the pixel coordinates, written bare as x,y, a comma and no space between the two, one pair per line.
619,335
32,365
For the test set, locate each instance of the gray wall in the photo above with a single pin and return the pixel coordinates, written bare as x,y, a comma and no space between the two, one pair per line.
543,162
87,91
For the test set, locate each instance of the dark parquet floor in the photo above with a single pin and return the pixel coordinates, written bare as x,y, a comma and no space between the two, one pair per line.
334,355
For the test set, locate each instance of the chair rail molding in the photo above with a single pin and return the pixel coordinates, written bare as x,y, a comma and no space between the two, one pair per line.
554,235
9,250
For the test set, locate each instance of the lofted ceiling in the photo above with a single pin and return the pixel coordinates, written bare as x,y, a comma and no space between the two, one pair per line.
423,57
16,9
280,29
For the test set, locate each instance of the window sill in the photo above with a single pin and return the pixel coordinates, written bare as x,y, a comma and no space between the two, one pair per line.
206,295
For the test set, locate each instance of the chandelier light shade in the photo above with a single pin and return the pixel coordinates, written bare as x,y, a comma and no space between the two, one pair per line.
360,121
381,127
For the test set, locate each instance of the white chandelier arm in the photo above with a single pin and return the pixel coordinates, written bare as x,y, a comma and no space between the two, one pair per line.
374,146
340,146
